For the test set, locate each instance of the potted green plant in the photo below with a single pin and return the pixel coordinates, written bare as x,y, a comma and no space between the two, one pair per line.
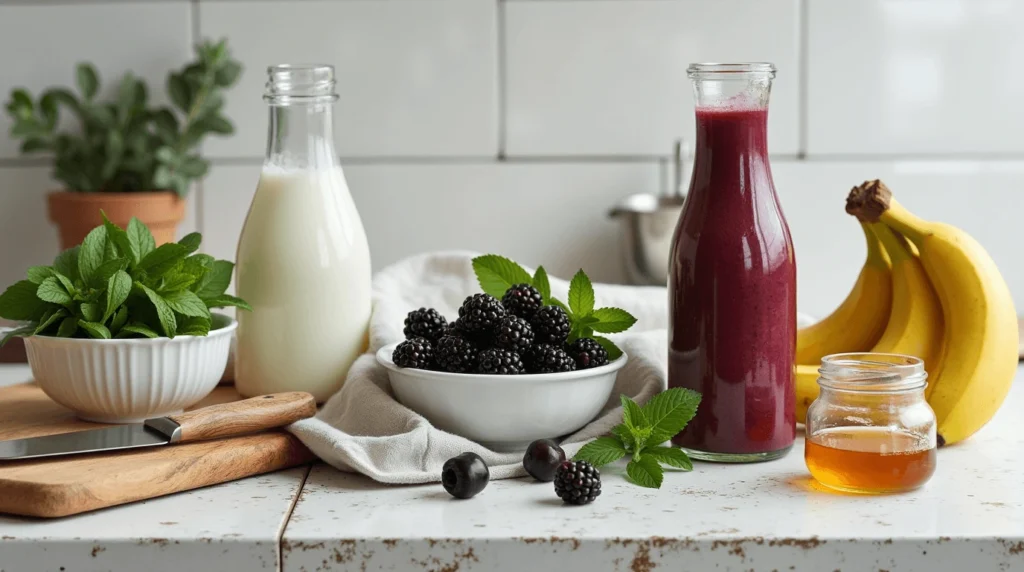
127,157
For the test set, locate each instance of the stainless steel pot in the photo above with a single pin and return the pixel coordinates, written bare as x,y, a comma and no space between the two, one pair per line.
648,223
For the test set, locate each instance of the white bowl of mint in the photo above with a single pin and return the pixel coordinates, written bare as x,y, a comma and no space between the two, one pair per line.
119,329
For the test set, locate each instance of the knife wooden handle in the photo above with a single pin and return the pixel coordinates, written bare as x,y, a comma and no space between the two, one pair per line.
243,417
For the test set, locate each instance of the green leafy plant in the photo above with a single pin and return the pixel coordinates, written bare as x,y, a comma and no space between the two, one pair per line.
125,144
119,284
497,274
641,434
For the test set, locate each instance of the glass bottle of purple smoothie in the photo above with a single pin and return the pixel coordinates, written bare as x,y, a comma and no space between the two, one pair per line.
732,278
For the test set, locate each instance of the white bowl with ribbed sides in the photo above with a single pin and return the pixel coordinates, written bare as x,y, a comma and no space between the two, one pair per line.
130,380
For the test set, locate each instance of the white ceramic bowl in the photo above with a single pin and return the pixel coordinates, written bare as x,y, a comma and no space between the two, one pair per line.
503,412
126,381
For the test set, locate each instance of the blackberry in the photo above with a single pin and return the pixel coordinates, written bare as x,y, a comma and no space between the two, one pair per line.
550,325
513,333
456,355
415,352
497,361
546,358
480,314
587,353
522,300
425,323
577,482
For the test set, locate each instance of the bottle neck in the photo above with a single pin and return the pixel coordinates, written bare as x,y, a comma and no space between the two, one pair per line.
301,136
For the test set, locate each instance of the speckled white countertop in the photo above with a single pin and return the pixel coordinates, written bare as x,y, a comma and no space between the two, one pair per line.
768,516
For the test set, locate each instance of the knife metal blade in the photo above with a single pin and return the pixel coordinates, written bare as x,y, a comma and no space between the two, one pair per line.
91,441
213,422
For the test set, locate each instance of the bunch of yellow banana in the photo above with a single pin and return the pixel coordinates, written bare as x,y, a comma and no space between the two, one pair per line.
929,290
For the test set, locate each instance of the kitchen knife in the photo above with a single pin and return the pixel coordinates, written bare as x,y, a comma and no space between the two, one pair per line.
213,422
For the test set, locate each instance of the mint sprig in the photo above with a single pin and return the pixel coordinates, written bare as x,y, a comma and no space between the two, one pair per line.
119,284
496,274
641,434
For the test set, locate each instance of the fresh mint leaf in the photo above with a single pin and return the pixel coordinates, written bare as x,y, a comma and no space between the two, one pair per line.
601,451
20,302
194,326
51,290
225,300
66,282
216,280
36,274
120,317
21,332
581,295
118,287
91,252
90,312
108,269
669,456
176,279
191,241
645,472
496,274
140,239
163,311
110,251
669,411
67,263
632,416
612,320
138,329
624,435
609,346
187,303
95,330
119,237
162,259
68,327
49,319
542,284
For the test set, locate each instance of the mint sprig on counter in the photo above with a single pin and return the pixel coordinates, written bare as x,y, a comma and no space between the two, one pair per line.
497,274
641,434
119,284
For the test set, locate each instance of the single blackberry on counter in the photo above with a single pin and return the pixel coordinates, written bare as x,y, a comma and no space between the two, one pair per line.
577,482
425,323
545,358
415,352
587,353
522,300
497,361
550,325
480,314
513,333
455,355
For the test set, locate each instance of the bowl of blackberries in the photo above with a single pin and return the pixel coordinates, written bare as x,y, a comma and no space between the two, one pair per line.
504,372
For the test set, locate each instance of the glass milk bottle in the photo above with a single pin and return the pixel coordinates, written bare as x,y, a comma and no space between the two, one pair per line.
303,259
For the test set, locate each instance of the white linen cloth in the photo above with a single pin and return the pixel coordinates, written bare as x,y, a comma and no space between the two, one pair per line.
364,429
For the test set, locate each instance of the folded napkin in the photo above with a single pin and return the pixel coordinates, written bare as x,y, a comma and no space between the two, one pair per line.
364,429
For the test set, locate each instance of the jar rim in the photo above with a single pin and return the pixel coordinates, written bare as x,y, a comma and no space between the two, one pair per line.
299,83
731,70
867,372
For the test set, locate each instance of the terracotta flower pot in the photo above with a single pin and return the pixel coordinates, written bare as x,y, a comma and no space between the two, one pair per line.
77,213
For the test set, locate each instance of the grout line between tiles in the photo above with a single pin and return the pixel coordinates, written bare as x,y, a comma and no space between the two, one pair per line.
502,79
803,98
288,517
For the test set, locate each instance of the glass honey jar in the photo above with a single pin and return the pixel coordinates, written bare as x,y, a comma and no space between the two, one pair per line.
870,430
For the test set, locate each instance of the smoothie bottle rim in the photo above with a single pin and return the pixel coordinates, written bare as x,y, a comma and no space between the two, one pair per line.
726,71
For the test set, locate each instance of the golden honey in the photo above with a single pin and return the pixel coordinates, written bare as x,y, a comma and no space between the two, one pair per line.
869,459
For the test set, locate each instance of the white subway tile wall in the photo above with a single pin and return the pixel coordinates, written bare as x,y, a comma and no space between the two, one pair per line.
514,126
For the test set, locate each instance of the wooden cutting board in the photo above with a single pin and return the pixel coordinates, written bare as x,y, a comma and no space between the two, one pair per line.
69,485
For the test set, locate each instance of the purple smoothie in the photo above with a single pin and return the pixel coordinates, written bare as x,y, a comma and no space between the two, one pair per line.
732,294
